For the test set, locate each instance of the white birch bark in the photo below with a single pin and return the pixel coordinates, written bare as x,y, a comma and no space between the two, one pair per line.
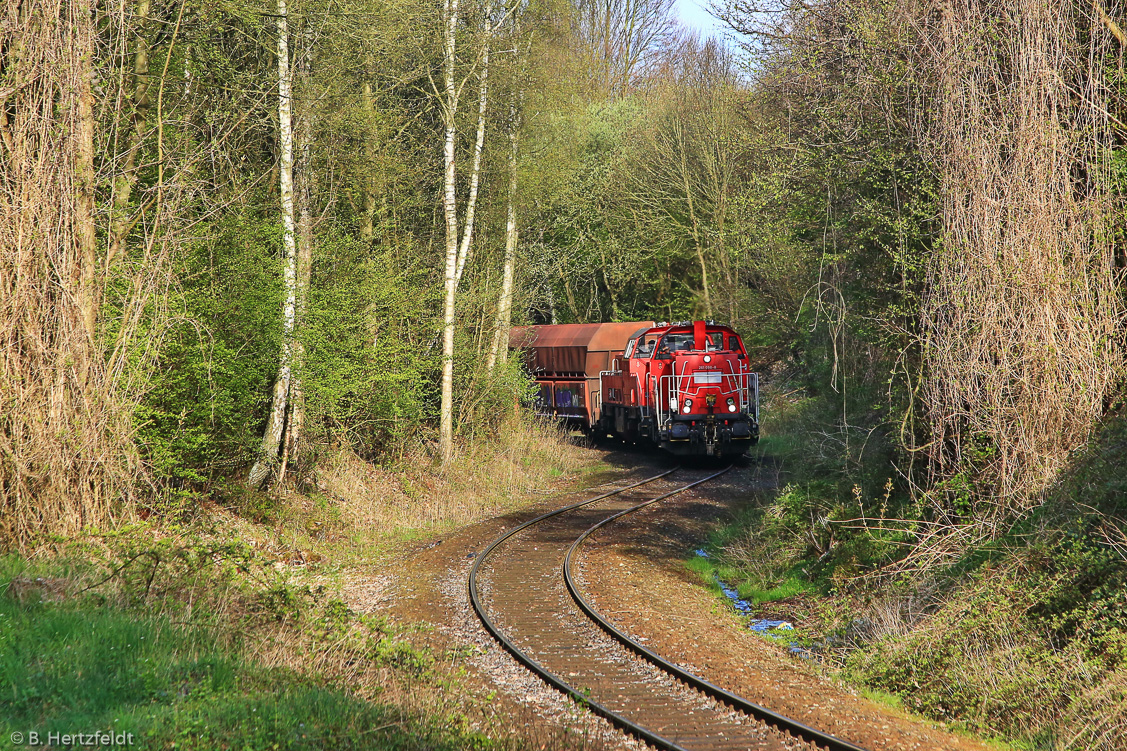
450,209
272,438
304,266
475,172
500,348
366,221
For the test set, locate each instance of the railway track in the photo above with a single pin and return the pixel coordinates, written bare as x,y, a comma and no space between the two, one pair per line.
523,590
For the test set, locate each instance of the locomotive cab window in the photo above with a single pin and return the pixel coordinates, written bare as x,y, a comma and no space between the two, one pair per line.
676,343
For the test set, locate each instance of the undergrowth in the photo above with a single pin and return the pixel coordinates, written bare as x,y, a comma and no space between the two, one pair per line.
163,639
228,628
71,668
350,511
1021,636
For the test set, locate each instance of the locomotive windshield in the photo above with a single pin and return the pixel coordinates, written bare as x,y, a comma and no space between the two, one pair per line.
683,342
676,343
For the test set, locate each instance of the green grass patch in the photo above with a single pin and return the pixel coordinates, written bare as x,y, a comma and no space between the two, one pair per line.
883,698
708,571
79,667
703,569
790,587
778,445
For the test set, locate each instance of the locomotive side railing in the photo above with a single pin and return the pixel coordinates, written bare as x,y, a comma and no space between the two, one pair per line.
602,384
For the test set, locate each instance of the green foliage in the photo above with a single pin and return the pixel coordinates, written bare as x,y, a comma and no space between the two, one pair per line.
1011,649
366,376
1027,637
840,513
790,587
369,380
214,372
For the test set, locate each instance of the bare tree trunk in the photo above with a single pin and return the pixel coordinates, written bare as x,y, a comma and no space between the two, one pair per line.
366,228
272,438
450,210
84,185
121,223
479,143
571,304
66,456
304,268
500,348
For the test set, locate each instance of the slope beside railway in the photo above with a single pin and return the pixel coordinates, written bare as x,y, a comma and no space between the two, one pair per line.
311,634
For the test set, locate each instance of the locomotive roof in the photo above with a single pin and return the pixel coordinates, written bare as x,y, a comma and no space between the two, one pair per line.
660,329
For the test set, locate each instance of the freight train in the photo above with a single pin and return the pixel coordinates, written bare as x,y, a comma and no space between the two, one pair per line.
684,387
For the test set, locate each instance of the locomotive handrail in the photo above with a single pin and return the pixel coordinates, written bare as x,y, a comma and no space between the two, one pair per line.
655,399
746,386
755,376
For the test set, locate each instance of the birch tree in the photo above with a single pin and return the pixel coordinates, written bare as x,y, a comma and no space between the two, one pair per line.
304,264
499,348
457,253
272,438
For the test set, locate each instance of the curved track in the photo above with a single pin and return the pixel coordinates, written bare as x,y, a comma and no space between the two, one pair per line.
522,589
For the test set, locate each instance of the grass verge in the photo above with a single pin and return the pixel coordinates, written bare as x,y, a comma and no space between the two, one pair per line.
77,667
229,629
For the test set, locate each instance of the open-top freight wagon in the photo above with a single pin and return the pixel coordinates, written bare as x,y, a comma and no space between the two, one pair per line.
684,387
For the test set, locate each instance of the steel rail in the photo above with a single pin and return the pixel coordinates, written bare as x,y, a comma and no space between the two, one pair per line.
781,722
551,679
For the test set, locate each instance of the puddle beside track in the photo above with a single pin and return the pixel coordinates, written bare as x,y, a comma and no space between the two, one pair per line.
760,625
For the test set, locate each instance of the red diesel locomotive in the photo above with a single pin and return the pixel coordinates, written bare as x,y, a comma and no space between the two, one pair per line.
684,387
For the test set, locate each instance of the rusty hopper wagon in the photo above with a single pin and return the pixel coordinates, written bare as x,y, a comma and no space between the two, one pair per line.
566,359
683,387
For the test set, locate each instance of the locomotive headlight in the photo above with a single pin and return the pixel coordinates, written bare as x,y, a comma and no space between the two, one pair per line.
673,403
688,405
708,358
731,404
